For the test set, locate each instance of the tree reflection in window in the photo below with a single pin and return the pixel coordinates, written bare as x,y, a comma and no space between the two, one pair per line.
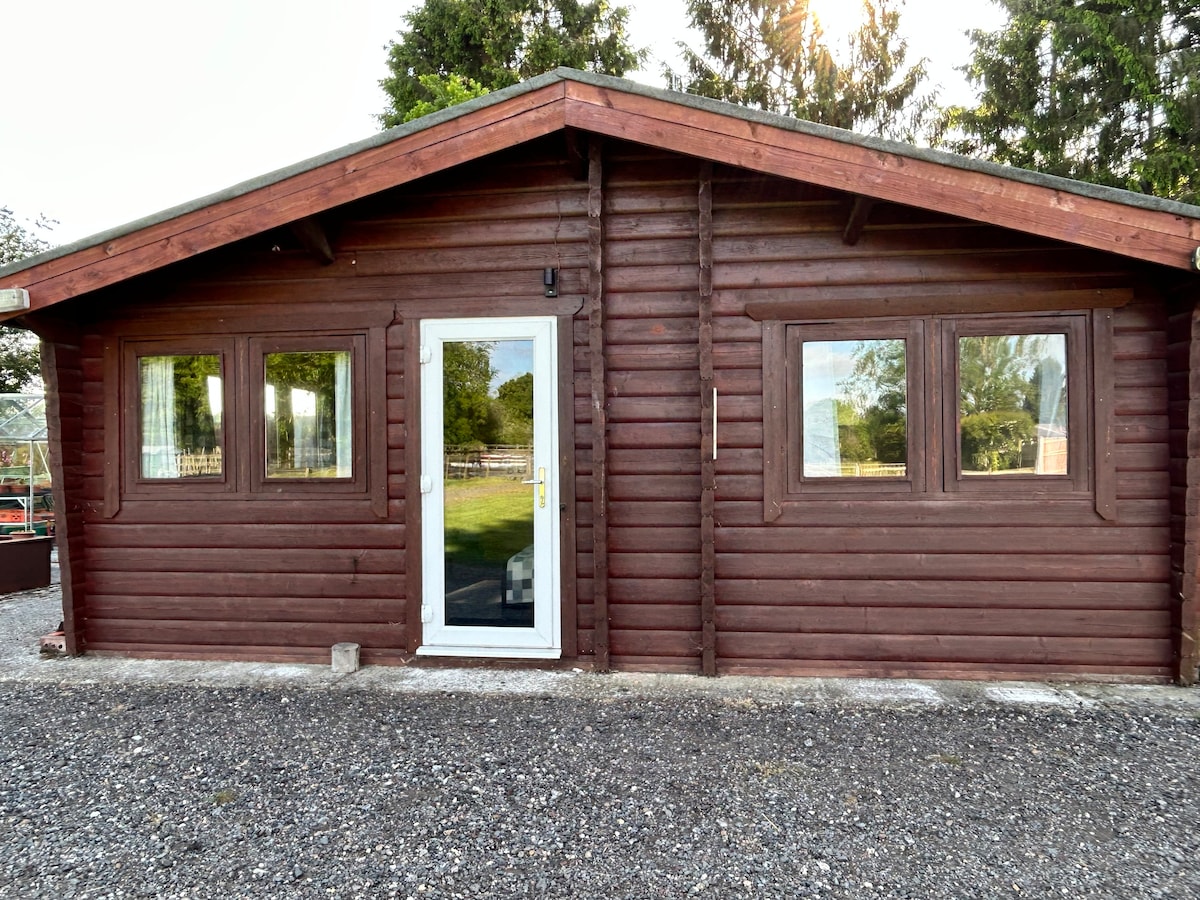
855,401
308,415
1012,404
478,409
180,400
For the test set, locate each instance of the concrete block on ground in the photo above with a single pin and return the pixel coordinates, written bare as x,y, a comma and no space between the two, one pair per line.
345,658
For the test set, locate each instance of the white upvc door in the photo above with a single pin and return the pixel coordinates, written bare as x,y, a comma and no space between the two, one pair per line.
489,488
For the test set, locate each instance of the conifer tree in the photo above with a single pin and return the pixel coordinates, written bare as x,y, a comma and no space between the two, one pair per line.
452,50
1106,91
775,56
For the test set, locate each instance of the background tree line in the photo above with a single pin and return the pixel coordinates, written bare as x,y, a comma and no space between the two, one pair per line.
1106,91
20,368
473,415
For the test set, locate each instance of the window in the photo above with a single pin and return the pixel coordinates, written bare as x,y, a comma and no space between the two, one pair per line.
180,402
931,407
178,425
308,414
1014,404
244,416
851,421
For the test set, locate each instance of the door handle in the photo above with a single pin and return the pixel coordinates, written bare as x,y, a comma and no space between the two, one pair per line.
540,481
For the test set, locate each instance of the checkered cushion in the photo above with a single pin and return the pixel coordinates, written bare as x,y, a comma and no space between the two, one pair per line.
518,578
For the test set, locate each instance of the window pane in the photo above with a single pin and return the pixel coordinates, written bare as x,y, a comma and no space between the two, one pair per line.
180,399
308,415
1012,410
855,400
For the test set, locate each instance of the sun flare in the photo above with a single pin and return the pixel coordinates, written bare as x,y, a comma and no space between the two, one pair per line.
838,18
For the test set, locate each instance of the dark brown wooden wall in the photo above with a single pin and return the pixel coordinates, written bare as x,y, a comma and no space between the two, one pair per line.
919,587
922,587
284,580
63,374
1183,382
651,330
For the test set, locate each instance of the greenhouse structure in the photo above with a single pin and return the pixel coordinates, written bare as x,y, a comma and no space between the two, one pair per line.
26,503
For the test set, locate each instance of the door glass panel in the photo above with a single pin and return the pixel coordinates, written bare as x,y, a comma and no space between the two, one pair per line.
487,453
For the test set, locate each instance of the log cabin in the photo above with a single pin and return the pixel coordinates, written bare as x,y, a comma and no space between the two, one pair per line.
591,374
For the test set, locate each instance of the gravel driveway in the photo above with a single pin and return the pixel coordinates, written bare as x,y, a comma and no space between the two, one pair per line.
129,779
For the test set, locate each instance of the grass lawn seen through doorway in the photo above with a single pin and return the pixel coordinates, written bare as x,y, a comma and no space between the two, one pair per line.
487,520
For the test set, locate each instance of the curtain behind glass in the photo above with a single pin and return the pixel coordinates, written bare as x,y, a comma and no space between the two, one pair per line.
343,416
181,410
309,414
159,459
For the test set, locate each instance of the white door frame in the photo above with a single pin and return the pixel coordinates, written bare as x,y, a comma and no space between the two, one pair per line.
544,639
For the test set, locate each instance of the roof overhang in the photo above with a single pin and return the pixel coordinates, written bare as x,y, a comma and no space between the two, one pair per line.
1130,225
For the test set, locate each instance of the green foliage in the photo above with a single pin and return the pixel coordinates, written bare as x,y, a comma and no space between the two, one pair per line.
20,360
452,50
444,91
1106,91
515,401
878,388
880,376
311,370
20,357
889,436
18,241
487,520
467,372
854,438
773,55
1000,383
994,372
196,427
992,440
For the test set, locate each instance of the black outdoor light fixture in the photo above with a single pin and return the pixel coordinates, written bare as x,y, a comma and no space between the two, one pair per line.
1196,259
550,280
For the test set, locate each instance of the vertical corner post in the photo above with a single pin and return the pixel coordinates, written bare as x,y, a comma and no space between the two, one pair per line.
708,430
599,400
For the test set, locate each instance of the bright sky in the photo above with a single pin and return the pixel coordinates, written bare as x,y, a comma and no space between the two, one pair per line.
117,110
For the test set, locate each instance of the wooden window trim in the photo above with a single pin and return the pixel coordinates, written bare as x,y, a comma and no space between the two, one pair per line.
1090,489
1100,371
259,348
911,332
122,479
135,485
962,301
1079,401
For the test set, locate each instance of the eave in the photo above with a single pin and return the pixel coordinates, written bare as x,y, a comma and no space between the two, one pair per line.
987,194
1117,222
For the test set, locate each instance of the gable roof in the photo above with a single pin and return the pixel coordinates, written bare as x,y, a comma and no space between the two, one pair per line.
1121,222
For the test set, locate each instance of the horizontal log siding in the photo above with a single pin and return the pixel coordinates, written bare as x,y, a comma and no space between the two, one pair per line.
284,580
962,587
62,371
264,580
651,331
922,587
1183,391
585,581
